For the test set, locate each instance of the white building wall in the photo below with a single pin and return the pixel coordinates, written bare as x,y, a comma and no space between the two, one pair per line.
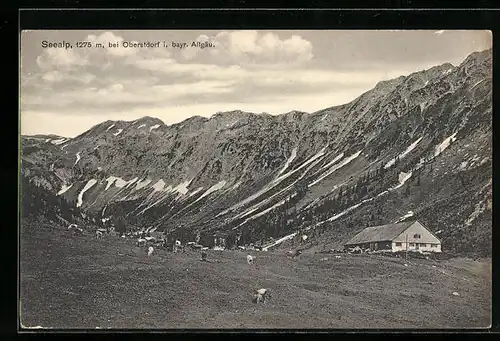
429,247
426,242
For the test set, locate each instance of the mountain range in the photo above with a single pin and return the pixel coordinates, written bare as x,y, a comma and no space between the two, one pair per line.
415,147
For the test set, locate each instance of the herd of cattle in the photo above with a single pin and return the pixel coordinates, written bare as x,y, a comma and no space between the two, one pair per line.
150,242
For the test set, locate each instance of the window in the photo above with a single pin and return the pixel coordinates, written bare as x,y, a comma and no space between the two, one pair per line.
416,236
423,245
398,244
412,244
433,245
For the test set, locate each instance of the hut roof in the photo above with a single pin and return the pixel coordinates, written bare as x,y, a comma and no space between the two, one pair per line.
380,233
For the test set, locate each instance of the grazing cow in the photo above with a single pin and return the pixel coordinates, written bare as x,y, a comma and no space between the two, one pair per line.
72,226
141,242
250,259
98,234
177,245
150,250
261,295
355,249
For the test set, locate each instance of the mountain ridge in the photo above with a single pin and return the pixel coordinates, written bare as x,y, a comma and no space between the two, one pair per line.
296,166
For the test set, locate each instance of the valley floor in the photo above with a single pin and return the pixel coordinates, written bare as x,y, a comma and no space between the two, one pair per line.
71,281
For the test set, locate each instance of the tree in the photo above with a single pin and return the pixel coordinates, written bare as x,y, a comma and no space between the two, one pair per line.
121,225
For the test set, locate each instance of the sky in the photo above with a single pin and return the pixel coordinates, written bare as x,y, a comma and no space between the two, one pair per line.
66,91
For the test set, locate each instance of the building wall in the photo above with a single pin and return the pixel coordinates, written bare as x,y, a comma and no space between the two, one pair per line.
384,245
416,234
429,247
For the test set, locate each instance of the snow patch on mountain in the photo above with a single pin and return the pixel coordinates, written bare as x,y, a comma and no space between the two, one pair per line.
273,183
267,210
142,125
159,185
311,204
267,200
407,215
110,181
119,182
289,161
111,126
403,177
182,187
403,154
60,141
447,72
326,115
154,127
118,132
445,144
77,158
196,191
161,198
335,167
335,217
212,189
477,83
279,241
88,185
236,185
141,184
64,188
336,159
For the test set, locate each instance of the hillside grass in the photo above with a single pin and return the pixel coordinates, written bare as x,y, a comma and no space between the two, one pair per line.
69,281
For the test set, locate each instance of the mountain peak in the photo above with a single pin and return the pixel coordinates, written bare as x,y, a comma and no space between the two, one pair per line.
232,112
149,120
389,84
477,57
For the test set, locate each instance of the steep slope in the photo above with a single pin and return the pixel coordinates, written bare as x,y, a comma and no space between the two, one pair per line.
418,143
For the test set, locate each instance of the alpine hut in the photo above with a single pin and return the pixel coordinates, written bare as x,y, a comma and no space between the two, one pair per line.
406,236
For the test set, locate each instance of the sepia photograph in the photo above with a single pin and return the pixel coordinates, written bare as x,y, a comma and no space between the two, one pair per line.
255,179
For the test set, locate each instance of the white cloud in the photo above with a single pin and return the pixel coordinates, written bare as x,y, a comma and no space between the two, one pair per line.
255,47
55,76
117,94
109,37
59,58
439,32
